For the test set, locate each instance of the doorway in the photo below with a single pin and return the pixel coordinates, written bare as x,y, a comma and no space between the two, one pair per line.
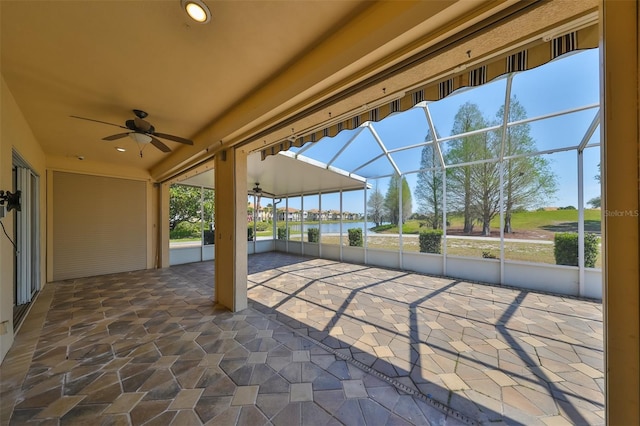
27,239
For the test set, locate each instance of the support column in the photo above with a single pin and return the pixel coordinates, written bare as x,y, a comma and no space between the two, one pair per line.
620,172
231,229
163,225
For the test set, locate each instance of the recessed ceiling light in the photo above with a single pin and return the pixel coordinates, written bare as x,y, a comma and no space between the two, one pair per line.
197,10
119,149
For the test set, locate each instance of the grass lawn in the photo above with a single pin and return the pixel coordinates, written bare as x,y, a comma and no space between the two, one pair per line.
542,223
538,252
538,226
554,220
185,240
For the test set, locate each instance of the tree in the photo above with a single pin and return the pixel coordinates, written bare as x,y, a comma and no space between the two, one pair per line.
429,189
485,182
268,211
190,204
184,204
595,201
407,200
528,180
392,201
375,206
460,191
475,188
208,204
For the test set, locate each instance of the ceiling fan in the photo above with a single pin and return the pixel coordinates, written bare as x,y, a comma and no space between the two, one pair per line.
141,131
259,192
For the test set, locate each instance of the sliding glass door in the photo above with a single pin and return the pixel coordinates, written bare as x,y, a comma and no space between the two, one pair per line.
27,236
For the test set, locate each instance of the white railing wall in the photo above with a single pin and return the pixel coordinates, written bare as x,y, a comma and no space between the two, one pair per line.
559,279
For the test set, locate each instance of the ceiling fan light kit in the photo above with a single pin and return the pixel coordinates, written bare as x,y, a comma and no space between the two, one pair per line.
140,137
197,10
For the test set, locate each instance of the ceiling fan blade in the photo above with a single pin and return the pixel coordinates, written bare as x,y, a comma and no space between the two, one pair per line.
142,125
173,138
262,193
97,121
114,137
162,147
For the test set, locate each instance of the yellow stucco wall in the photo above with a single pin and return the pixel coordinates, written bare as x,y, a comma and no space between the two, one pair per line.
15,134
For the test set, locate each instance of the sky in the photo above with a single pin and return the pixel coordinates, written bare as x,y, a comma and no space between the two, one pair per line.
571,81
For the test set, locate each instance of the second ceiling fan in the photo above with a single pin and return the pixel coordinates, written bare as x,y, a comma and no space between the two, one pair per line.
259,192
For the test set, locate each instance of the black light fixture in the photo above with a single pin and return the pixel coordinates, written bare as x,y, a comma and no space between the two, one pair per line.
12,200
197,10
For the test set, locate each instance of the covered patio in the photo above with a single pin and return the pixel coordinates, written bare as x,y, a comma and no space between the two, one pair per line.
97,320
321,342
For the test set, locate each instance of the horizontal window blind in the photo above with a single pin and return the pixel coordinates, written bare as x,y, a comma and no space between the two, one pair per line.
99,225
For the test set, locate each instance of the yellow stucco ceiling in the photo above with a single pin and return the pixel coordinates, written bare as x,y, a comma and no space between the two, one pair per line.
211,83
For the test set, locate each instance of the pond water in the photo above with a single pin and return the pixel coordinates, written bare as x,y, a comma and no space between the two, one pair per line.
334,228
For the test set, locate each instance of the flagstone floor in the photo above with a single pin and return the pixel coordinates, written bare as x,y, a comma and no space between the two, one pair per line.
321,343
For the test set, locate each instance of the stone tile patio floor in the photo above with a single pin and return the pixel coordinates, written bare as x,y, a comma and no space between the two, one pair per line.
322,342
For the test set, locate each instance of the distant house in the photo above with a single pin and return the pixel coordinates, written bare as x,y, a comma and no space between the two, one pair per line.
290,214
262,214
316,215
351,216
336,215
333,215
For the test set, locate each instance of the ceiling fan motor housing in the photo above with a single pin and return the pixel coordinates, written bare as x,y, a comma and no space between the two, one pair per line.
139,125
140,113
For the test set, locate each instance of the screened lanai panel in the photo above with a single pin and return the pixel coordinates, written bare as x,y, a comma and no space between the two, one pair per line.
403,129
557,132
541,190
427,199
483,146
328,147
595,137
381,166
522,58
383,208
564,167
311,218
361,149
331,213
557,86
468,109
592,187
414,159
294,217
